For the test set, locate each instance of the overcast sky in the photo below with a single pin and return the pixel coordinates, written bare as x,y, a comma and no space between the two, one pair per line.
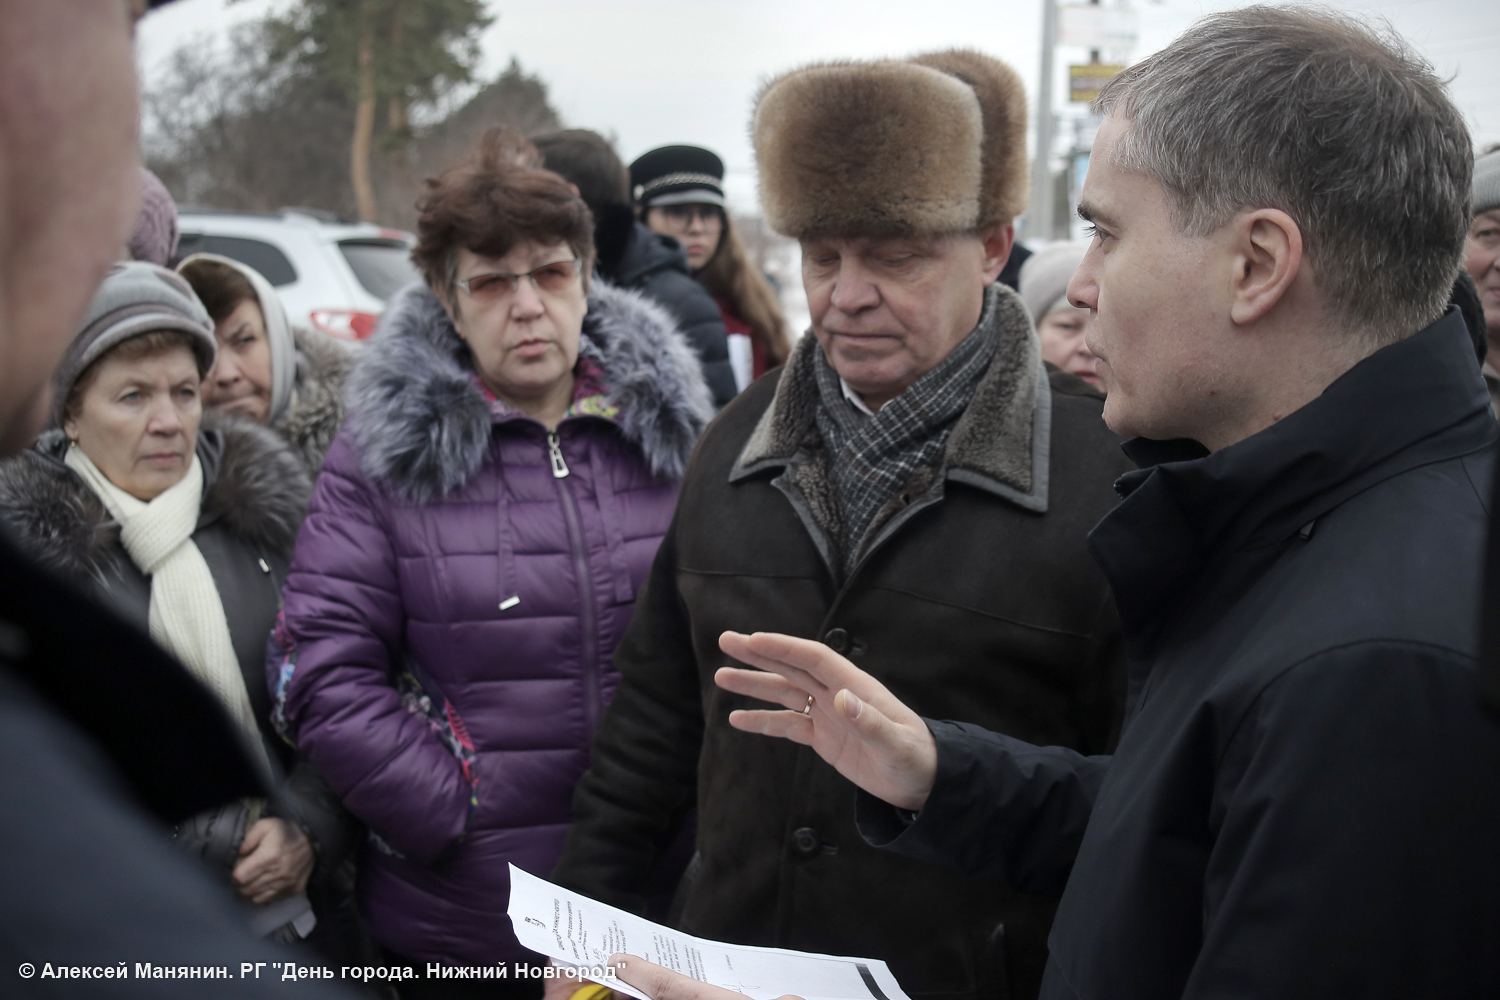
652,73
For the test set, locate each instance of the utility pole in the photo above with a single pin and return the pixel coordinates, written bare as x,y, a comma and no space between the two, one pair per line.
1039,215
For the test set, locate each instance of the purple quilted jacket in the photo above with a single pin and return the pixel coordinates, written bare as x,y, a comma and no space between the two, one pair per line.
458,589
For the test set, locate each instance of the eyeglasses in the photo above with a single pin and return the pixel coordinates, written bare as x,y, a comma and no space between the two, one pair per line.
496,286
680,217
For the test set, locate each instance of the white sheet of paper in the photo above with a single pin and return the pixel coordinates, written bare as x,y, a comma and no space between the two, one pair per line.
577,931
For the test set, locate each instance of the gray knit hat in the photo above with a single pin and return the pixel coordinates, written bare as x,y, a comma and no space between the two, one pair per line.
136,298
1487,182
1045,276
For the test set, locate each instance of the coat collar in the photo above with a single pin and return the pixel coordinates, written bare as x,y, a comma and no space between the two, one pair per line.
423,427
252,482
1413,403
1001,444
317,406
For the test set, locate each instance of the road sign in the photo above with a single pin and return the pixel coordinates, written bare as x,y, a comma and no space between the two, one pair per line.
1087,79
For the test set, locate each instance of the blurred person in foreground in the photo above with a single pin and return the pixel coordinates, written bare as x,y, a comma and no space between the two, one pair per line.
475,545
105,740
913,487
630,255
1303,803
1061,326
183,522
679,192
1482,258
288,378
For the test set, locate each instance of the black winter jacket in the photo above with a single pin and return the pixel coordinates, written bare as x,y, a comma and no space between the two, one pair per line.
104,739
977,600
639,259
255,496
1304,801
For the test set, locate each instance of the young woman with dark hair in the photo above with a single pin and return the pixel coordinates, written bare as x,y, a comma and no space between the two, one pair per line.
679,192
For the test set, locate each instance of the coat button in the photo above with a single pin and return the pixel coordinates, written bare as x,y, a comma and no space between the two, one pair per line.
806,842
837,640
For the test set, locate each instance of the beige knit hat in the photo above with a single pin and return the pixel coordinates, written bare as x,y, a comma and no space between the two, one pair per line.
1045,276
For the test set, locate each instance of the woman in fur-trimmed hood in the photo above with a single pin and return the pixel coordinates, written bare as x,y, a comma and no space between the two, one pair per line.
474,549
285,377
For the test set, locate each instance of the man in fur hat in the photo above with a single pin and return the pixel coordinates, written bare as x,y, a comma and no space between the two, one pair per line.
913,489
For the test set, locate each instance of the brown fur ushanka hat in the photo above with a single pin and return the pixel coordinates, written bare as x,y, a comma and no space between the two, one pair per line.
930,145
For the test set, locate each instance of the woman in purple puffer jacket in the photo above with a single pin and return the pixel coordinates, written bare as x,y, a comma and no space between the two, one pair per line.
473,552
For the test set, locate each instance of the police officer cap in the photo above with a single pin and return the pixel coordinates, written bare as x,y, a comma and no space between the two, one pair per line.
678,175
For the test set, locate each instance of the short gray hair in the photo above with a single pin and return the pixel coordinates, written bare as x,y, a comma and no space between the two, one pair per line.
1347,131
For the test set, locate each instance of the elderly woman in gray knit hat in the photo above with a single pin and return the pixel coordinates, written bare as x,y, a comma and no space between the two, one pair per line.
1482,258
1060,327
185,525
290,379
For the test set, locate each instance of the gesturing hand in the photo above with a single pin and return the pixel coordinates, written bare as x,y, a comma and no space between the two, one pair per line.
854,723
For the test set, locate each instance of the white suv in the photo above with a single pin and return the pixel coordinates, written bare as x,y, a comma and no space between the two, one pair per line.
332,276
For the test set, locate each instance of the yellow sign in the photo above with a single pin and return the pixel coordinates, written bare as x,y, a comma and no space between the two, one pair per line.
1086,80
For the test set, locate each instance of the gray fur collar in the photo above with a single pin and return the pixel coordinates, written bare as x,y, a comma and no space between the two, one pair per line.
1001,444
316,412
253,483
423,427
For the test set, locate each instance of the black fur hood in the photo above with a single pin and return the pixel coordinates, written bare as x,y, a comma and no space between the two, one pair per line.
252,482
423,427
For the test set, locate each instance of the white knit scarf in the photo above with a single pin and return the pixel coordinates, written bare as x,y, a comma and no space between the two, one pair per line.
187,616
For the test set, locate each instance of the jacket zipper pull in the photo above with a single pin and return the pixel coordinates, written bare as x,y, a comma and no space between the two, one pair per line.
554,449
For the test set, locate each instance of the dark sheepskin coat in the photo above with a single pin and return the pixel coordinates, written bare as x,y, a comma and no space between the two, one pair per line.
976,600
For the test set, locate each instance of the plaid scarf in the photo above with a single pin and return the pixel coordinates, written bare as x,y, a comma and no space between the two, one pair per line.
872,458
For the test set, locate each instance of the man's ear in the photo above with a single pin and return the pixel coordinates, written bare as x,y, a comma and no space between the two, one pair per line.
997,240
1267,257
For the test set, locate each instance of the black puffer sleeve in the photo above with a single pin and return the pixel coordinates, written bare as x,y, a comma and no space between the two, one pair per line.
306,800
699,319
